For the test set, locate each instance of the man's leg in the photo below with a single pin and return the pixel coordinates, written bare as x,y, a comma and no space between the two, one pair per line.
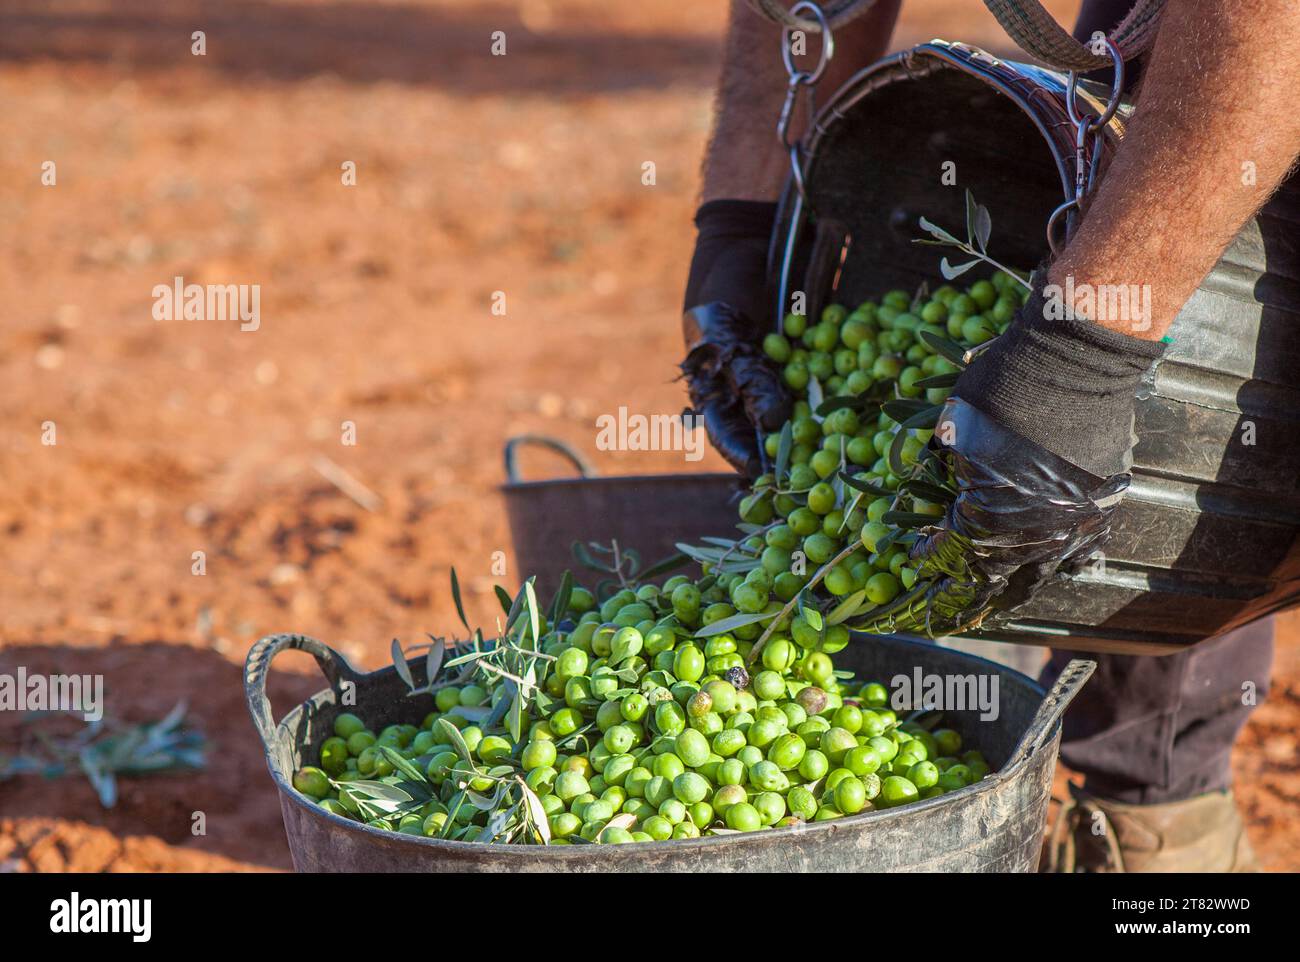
1153,736
1153,739
1149,729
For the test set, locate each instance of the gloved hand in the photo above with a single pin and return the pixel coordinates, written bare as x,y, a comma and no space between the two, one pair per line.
732,384
1039,433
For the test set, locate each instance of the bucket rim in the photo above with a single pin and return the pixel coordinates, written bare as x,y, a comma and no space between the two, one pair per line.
618,480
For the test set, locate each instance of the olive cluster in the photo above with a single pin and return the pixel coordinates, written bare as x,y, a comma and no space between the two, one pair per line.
650,725
852,474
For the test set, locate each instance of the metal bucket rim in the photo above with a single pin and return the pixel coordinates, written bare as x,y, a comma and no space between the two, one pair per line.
571,852
618,480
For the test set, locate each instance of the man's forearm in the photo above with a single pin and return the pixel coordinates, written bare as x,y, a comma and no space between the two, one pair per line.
744,161
1215,132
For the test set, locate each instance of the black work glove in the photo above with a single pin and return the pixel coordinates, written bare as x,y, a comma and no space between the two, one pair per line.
1039,433
733,386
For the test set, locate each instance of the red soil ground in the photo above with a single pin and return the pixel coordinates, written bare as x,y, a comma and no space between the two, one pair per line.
474,174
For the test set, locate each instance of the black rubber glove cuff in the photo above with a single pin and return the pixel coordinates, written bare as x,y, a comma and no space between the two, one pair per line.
730,262
1066,384
732,385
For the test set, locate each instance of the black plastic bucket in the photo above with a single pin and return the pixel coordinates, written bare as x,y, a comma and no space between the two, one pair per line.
1206,539
650,513
993,826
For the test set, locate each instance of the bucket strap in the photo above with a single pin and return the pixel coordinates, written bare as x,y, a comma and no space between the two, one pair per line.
836,12
1027,22
1037,32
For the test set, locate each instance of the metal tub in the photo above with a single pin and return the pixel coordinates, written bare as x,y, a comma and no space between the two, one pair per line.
651,513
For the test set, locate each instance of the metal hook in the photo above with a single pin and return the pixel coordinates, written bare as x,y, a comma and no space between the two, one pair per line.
827,47
1116,91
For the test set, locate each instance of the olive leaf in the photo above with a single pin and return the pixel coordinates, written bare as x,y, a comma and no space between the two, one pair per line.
662,567
901,409
497,823
399,662
632,559
503,597
728,543
455,596
726,561
583,555
732,622
474,713
455,739
466,658
404,765
909,519
887,540
518,705
573,737
449,826
938,381
979,225
783,448
383,796
815,397
950,350
536,812
866,487
482,802
927,491
560,603
534,619
501,705
516,606
433,661
855,401
895,453
812,615
847,608
952,272
937,232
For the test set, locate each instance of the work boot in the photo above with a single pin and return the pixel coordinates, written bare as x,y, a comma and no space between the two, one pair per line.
1201,834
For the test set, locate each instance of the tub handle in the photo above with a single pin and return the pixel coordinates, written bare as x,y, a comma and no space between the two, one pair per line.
1068,684
258,666
585,470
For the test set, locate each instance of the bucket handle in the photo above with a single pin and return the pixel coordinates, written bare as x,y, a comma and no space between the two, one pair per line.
257,667
1068,685
585,470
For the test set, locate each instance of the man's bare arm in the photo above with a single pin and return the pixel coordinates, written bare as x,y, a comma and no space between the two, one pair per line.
744,160
1219,95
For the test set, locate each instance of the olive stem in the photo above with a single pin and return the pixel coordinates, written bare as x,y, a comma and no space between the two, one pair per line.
736,544
790,605
967,248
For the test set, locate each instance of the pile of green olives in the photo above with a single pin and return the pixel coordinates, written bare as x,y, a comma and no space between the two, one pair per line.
847,467
653,728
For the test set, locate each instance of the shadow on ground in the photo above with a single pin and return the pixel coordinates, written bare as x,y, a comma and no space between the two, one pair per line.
359,42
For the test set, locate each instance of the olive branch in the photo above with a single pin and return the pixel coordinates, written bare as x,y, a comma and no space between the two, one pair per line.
979,227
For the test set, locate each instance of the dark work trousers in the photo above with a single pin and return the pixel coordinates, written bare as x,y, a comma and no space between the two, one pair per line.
1148,729
1151,729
